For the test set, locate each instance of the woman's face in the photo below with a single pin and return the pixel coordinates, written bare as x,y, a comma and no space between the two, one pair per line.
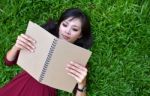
70,29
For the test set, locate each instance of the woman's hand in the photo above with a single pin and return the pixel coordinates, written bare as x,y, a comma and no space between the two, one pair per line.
25,42
22,42
78,71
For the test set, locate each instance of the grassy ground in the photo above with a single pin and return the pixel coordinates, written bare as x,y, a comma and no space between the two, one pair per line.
120,64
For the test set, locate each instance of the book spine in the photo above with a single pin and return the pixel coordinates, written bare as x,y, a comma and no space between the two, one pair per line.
48,59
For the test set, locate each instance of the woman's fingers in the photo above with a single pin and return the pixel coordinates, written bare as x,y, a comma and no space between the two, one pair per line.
77,71
22,45
25,42
74,76
74,71
27,37
77,65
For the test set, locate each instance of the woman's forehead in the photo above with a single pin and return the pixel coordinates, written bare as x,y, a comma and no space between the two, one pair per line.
76,21
72,19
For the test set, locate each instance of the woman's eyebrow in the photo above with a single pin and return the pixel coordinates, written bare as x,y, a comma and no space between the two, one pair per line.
76,26
65,22
73,25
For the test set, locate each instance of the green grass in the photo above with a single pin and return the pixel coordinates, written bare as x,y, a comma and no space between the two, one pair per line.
120,63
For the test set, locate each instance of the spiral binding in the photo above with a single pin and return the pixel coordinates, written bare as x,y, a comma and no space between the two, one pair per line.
48,59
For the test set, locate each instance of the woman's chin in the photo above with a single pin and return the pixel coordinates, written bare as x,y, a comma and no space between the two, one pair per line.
64,39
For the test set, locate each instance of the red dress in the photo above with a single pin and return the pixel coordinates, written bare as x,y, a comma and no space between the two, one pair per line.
24,85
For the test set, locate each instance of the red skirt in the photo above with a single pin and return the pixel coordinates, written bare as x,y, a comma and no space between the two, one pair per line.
24,85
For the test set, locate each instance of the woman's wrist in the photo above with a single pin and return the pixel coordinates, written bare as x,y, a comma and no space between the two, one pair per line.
82,84
81,87
15,48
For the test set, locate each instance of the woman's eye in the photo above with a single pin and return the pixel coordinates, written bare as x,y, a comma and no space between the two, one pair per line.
65,25
75,29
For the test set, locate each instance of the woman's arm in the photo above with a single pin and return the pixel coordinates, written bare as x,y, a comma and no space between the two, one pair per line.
11,56
79,72
12,53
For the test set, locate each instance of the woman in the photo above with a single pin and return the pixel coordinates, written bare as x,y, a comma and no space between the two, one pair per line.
73,27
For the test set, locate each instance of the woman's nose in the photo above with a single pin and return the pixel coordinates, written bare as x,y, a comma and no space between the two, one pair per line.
68,31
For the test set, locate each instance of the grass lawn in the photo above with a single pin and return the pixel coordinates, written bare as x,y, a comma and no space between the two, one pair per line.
120,63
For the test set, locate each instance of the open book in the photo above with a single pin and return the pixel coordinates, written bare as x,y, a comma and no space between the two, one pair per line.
47,64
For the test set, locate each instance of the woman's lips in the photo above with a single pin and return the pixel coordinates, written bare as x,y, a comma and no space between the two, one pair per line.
65,37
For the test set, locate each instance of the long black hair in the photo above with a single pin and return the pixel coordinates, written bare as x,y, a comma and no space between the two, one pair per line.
86,40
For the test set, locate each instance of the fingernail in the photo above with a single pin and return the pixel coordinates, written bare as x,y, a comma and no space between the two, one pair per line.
68,65
34,41
32,50
33,47
66,68
71,62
